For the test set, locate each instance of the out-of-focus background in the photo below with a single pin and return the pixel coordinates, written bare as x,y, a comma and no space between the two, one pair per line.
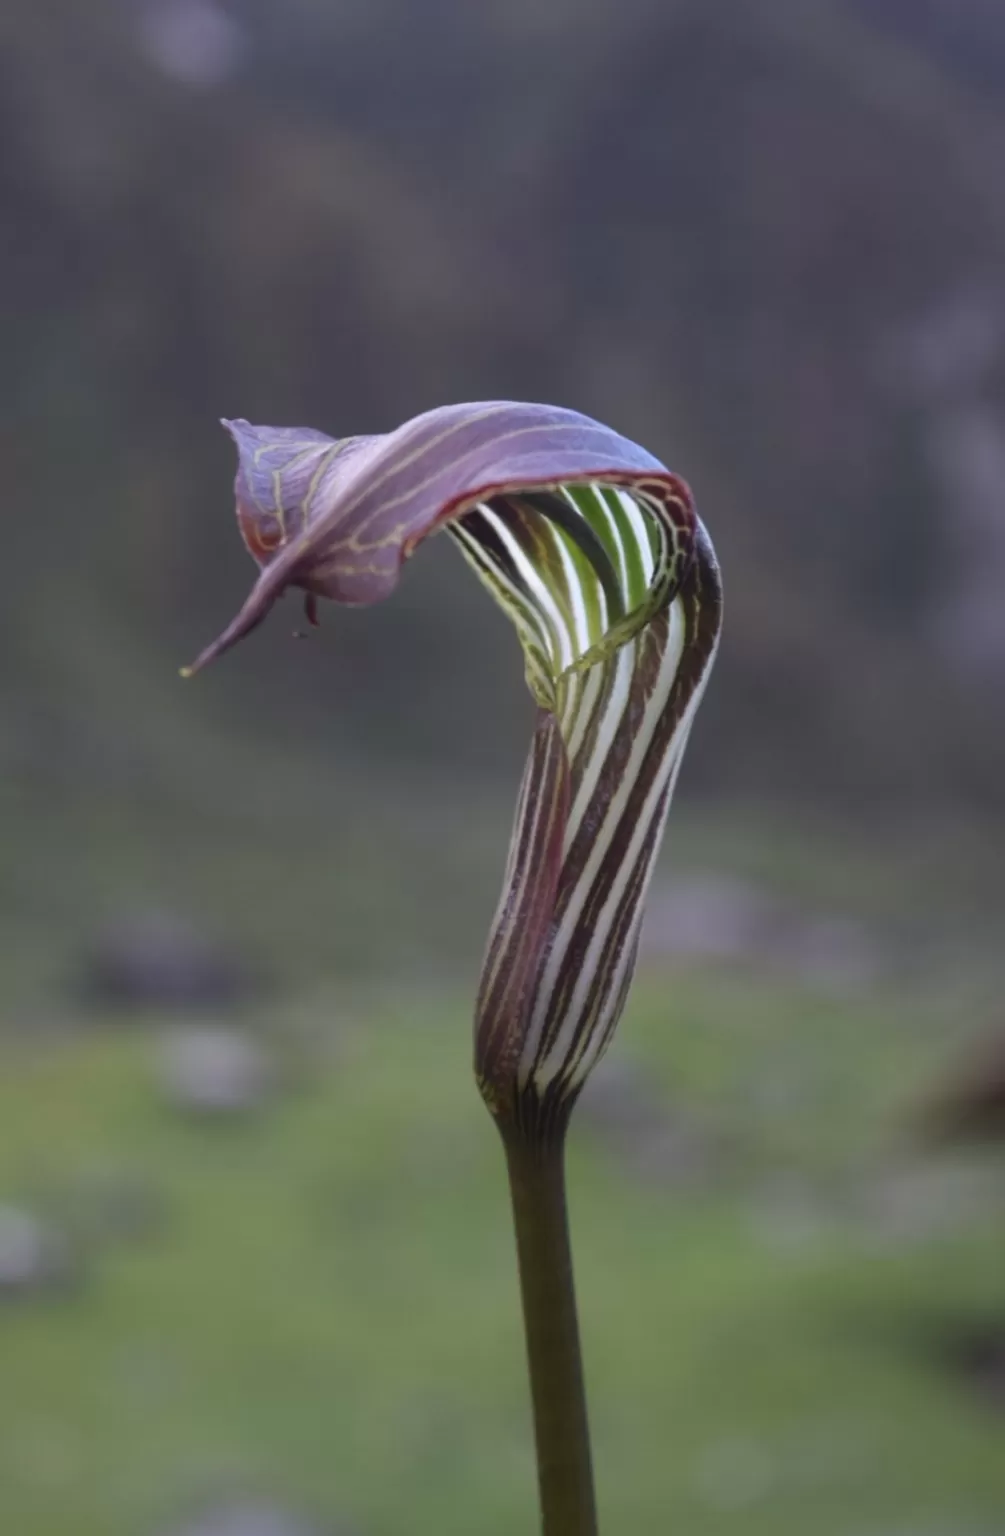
256,1275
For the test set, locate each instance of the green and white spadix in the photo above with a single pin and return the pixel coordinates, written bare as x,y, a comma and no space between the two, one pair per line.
596,553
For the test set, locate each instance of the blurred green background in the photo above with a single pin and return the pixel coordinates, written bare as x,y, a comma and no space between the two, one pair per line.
256,1274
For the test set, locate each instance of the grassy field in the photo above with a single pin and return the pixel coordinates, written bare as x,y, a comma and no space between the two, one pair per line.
326,1307
321,1300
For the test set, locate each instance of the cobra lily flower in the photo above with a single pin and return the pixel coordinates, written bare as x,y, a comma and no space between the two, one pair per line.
596,553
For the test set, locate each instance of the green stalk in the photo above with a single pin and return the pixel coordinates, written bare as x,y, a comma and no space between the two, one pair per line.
561,1430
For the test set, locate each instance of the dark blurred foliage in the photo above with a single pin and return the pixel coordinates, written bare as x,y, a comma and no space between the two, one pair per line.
766,240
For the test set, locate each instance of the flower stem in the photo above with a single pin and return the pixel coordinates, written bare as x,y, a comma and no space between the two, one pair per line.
565,1474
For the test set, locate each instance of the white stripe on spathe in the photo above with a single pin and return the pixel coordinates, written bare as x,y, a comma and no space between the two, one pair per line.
616,539
605,834
619,561
584,635
531,624
584,690
595,1039
607,728
564,641
640,530
609,723
664,780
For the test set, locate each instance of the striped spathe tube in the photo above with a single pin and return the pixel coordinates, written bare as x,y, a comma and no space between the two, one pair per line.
595,551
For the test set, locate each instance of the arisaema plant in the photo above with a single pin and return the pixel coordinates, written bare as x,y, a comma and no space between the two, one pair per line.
596,553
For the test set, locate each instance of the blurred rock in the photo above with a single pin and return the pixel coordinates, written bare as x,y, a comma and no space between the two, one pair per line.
215,1070
192,41
157,960
34,1256
789,1216
252,1517
705,916
838,954
970,1105
980,1353
622,1108
907,1204
726,919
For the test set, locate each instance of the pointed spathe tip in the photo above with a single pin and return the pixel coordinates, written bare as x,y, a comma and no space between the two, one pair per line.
234,632
261,598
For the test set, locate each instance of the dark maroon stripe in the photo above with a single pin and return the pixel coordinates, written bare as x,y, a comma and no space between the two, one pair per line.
523,922
702,609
